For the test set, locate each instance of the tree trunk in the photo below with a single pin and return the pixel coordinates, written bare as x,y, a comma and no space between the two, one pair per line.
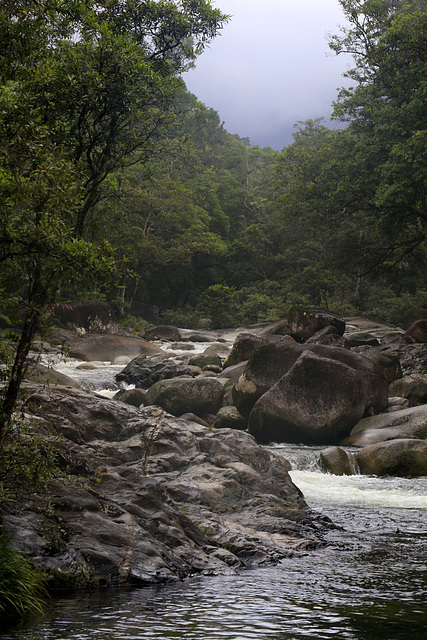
31,324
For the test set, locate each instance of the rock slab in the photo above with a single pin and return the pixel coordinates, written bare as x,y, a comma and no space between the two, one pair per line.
154,498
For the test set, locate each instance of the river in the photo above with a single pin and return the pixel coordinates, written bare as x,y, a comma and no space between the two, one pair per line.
369,583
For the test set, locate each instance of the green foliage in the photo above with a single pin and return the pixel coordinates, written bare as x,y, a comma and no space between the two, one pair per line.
90,90
22,589
219,302
28,461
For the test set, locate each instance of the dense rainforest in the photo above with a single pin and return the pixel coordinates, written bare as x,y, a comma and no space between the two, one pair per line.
116,183
125,186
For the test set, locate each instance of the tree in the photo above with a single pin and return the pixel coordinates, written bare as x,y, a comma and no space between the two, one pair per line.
85,88
386,110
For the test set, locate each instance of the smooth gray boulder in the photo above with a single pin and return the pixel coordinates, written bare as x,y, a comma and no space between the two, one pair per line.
163,332
186,395
107,347
243,348
404,458
406,423
417,332
203,360
267,365
358,338
337,461
412,387
230,418
306,406
134,397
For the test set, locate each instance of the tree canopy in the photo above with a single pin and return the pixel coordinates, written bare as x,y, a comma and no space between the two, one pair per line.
85,89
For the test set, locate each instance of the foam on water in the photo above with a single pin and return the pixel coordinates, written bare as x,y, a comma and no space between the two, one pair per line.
404,493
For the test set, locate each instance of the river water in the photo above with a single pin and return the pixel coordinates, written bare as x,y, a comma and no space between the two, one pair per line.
369,583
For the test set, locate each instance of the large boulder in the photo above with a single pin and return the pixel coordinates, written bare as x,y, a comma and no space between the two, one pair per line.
359,338
328,335
405,458
163,332
273,360
305,322
143,372
279,328
243,348
93,317
107,347
388,363
406,423
413,387
318,401
203,360
201,396
375,387
156,498
219,348
134,397
267,365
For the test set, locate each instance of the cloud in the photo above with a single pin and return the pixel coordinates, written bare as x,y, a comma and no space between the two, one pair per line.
271,67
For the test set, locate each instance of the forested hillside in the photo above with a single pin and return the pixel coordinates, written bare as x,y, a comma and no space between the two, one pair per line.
213,226
125,186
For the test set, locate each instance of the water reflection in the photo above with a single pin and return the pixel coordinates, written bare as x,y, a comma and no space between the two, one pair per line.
370,583
369,588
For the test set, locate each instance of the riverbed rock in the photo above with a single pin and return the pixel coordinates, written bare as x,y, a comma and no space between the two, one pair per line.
156,498
163,332
203,360
243,348
134,397
277,328
413,387
306,406
107,347
273,360
143,372
404,458
305,322
230,418
328,335
412,357
388,363
219,349
337,461
406,423
396,403
200,395
358,338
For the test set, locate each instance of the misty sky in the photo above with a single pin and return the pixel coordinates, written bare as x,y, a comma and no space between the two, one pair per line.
270,67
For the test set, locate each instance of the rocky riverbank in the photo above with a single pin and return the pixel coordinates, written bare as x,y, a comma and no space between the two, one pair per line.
164,481
150,498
